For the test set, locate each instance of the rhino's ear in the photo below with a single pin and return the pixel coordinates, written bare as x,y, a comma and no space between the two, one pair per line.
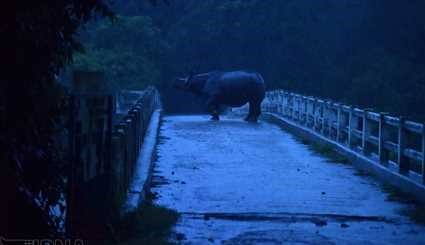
187,82
191,74
179,82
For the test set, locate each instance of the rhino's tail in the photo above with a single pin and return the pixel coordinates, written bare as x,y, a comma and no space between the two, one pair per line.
260,79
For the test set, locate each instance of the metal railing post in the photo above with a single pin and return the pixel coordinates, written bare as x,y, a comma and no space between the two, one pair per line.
382,135
313,114
350,126
322,115
338,123
305,122
365,133
291,106
403,162
423,154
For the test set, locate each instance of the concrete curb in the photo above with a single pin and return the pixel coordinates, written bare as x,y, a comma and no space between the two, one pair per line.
384,174
141,180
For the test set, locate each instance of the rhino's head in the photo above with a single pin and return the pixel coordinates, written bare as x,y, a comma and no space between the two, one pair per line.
192,83
183,83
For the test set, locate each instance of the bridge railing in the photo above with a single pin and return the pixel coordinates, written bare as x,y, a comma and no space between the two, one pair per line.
127,138
104,146
392,141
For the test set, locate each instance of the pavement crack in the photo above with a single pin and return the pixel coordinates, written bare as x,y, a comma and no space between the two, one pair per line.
318,219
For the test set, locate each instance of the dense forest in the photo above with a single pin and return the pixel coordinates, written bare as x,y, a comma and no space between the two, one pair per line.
365,53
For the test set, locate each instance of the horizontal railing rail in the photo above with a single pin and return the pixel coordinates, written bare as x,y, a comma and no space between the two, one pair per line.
127,137
391,141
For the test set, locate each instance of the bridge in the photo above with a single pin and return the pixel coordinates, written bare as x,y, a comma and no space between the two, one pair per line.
242,183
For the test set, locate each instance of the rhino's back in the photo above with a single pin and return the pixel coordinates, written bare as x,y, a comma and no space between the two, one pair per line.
237,87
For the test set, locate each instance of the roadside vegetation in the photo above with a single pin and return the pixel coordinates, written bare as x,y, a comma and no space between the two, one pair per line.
414,210
329,153
148,225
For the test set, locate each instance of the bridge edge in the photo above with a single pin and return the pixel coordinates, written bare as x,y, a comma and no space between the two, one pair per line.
385,175
141,180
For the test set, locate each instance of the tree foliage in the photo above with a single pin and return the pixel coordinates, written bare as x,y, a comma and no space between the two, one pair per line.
38,39
366,53
129,50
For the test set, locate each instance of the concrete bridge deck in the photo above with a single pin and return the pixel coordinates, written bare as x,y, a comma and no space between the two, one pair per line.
241,183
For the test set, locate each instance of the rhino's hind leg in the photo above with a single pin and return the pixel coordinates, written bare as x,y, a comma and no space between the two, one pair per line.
254,111
215,116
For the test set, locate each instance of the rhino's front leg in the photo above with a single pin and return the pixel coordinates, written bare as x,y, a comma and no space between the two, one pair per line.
213,109
250,112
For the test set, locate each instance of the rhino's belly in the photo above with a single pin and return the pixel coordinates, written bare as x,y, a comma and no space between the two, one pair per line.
235,104
234,101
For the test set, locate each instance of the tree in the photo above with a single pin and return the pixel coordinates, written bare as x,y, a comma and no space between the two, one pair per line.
38,39
129,51
365,53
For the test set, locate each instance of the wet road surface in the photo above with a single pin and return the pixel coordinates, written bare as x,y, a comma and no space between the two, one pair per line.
241,183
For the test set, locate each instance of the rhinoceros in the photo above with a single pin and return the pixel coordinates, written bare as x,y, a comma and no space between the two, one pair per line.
232,89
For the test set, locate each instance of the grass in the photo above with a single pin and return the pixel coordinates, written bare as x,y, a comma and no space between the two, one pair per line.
362,173
148,225
417,214
329,153
415,211
326,151
394,194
